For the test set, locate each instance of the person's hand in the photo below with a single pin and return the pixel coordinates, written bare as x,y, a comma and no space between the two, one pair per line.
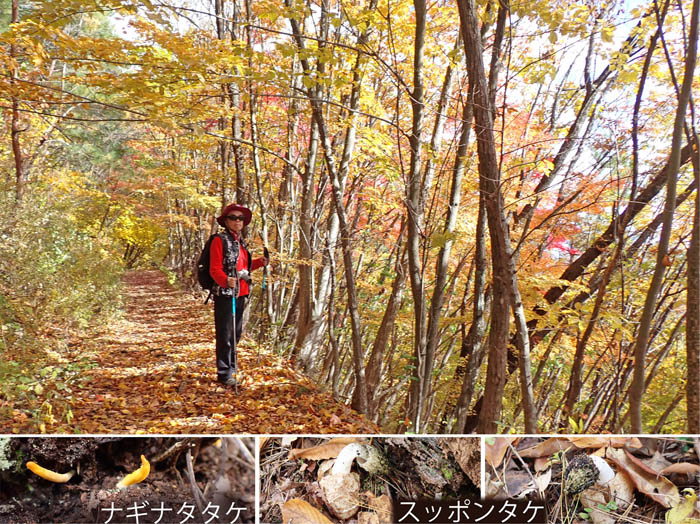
231,282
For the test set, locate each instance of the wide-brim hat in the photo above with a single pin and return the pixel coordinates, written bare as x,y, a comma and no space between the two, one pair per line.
247,214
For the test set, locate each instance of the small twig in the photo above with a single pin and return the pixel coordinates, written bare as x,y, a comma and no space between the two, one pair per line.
244,451
196,492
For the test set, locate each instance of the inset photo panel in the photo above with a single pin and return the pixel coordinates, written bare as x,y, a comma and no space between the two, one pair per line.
598,479
116,480
363,479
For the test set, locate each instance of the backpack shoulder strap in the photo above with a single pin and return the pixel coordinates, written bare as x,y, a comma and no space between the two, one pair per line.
231,246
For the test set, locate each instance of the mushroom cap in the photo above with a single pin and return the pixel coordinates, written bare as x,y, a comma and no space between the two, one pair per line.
580,474
373,461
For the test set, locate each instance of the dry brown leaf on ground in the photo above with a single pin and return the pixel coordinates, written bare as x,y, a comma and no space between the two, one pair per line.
681,467
645,480
262,442
642,464
327,450
301,512
547,448
621,490
467,453
541,463
495,449
381,506
518,483
542,481
657,462
592,500
287,441
605,442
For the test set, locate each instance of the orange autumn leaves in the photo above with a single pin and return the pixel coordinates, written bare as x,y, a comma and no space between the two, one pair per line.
154,373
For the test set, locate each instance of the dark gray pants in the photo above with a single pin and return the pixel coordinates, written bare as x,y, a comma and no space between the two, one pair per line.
226,362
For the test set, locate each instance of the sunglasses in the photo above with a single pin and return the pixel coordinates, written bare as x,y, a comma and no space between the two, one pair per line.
236,217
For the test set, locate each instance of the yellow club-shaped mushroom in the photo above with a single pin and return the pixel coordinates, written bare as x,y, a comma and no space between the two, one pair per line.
137,476
48,474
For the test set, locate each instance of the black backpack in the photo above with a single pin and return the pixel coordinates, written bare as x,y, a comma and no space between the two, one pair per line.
203,276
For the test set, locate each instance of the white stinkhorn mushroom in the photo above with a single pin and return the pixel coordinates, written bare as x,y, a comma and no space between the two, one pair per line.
606,473
584,471
341,487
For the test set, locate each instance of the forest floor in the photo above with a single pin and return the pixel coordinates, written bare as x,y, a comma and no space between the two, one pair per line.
153,371
212,479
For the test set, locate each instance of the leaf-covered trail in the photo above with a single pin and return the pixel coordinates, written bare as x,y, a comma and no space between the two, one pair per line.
156,374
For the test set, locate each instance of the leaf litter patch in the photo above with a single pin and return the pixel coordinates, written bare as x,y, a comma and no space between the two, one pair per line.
153,371
355,480
599,479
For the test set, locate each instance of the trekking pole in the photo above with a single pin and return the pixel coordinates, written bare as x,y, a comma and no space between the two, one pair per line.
235,342
267,256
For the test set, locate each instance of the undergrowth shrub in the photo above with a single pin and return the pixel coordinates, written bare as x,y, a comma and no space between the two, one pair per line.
55,280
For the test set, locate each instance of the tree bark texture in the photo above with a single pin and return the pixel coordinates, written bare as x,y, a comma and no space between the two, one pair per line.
416,229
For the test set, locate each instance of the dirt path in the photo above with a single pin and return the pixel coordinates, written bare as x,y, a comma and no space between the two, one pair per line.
156,374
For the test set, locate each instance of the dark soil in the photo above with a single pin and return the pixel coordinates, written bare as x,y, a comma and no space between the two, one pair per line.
222,472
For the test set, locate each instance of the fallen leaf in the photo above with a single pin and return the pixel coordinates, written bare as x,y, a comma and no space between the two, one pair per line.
541,463
518,483
680,512
591,499
681,467
605,442
287,441
621,490
495,449
381,506
645,480
547,448
467,453
542,481
327,450
657,462
301,512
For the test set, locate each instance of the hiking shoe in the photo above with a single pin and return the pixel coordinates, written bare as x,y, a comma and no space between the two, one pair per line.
232,382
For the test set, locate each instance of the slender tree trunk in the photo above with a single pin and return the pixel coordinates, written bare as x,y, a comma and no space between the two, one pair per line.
442,262
575,381
376,358
416,227
242,191
473,344
641,344
692,331
489,180
15,130
303,348
505,284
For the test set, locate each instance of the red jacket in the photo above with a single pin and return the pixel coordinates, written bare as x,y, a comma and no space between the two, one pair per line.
216,265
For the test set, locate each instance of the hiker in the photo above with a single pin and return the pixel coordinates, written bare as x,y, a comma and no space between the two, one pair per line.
230,265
